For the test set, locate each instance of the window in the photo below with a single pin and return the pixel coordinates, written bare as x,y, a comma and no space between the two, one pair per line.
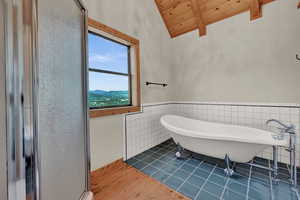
113,71
109,73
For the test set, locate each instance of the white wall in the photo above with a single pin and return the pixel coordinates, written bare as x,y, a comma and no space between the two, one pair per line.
141,20
242,61
106,136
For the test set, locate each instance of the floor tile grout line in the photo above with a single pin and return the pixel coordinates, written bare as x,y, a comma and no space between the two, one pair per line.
155,152
183,170
225,187
157,159
236,192
297,194
249,179
160,148
170,149
187,178
206,180
169,174
154,160
208,193
271,182
180,168
185,162
206,171
159,170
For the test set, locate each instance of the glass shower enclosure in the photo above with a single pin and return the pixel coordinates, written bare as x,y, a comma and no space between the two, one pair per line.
44,142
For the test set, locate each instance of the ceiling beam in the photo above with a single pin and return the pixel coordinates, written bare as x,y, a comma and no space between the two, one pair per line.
255,9
198,15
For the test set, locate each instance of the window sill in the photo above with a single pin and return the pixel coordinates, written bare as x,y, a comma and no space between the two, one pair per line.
113,111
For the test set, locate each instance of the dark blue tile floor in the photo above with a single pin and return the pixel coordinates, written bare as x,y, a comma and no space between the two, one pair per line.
202,178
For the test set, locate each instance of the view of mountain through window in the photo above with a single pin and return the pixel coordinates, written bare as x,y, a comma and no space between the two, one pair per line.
109,74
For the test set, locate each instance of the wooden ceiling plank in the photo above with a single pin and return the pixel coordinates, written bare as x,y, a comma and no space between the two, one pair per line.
176,19
185,25
185,30
179,9
167,4
181,16
160,12
198,15
255,9
225,11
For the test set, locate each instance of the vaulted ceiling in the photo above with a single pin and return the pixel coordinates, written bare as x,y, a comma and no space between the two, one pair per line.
182,16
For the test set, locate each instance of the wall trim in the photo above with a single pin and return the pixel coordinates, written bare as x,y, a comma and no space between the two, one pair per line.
287,105
282,105
214,103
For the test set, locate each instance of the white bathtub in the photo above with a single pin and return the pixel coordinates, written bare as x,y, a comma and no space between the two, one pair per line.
240,143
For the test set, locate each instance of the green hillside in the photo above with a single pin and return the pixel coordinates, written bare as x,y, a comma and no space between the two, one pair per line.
100,98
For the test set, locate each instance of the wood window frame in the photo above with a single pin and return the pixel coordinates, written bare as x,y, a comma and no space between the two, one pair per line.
135,45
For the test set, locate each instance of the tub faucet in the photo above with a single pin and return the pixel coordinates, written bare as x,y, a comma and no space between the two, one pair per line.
284,128
290,129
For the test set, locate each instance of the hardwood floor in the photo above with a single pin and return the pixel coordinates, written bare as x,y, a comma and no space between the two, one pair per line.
119,181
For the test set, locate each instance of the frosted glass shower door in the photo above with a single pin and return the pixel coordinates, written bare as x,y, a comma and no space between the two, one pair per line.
3,179
61,100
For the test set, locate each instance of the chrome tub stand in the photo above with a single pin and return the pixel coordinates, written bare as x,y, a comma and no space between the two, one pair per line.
284,129
181,153
229,170
293,165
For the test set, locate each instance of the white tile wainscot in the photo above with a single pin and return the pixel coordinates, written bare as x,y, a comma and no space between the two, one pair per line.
144,131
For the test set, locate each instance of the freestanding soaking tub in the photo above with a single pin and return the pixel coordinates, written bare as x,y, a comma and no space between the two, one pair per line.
240,144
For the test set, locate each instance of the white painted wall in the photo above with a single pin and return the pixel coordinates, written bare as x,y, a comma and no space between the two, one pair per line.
242,61
139,19
106,140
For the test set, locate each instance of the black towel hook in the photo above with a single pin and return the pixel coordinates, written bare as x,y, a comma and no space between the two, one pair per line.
297,57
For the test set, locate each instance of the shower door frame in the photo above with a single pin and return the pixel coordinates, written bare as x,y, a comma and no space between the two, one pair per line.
21,52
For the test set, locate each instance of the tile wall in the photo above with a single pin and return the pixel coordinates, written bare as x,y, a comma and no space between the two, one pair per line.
143,130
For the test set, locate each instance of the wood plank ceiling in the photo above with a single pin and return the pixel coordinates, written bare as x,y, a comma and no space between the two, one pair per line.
182,16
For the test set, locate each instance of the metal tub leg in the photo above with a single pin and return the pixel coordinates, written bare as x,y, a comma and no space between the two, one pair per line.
181,153
228,170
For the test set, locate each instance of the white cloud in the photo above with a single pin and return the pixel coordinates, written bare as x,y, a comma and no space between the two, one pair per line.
100,58
115,57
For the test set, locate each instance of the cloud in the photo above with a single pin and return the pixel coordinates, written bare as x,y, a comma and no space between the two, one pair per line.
100,58
104,58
